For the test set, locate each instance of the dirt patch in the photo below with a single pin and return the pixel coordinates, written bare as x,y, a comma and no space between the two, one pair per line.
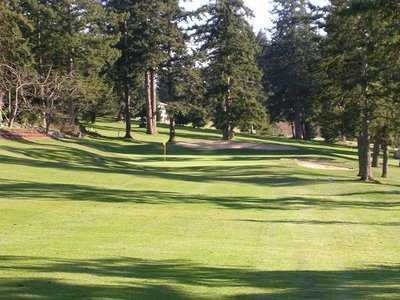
21,134
320,165
228,145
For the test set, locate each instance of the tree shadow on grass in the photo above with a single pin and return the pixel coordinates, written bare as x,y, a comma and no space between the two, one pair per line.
73,192
123,168
152,151
132,278
72,159
316,148
300,148
374,193
54,289
94,152
321,222
118,146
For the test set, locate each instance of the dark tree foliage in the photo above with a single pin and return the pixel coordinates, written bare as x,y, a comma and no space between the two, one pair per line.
361,61
148,30
290,64
233,77
182,88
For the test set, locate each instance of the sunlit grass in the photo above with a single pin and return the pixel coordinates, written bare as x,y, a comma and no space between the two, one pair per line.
103,218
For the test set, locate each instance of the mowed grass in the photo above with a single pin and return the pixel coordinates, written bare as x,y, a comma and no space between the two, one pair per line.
102,218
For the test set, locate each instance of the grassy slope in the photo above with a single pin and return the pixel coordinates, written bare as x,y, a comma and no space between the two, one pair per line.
108,219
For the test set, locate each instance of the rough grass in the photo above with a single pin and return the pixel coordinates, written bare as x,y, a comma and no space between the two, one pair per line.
102,218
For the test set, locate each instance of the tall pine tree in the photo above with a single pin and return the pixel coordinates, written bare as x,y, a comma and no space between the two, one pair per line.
233,77
290,60
147,30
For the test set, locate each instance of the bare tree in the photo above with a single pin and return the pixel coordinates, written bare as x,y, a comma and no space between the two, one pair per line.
50,91
14,79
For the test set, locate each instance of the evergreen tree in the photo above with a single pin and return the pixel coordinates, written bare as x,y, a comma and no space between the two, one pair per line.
182,88
148,29
13,26
68,38
290,66
349,50
361,62
386,39
15,59
233,77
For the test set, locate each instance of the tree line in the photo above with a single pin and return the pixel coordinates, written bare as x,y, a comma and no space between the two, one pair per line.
329,71
336,70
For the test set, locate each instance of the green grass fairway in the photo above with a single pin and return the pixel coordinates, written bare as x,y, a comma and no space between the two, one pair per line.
102,218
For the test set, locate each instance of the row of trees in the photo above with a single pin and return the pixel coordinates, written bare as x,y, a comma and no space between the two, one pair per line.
64,62
52,54
336,69
331,70
219,80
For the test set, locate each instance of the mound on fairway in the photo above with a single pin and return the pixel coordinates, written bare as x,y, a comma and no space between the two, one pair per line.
321,165
230,145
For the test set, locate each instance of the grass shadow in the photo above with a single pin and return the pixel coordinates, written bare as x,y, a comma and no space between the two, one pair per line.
133,278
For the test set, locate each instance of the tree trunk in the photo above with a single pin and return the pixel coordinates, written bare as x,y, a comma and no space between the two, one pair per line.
14,109
127,113
2,94
93,116
366,170
292,127
121,111
298,126
366,173
304,129
153,87
142,123
47,122
308,131
376,152
227,129
71,104
385,165
71,112
228,133
172,129
126,95
47,128
9,103
149,105
359,152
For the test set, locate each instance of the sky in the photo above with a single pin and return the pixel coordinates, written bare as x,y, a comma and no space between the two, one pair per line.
261,8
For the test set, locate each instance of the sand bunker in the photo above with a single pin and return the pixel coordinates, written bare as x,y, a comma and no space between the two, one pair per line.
228,145
320,165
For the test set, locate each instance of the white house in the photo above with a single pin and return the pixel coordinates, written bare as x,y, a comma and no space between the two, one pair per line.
162,109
